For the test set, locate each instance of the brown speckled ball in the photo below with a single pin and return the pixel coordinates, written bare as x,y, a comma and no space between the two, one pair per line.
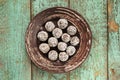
71,30
53,55
52,41
42,36
49,26
62,23
74,41
66,37
62,46
70,50
63,56
57,32
44,47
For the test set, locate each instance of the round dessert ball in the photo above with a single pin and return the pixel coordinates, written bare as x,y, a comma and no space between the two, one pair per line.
53,55
63,56
52,41
65,37
42,36
62,46
71,30
74,41
70,50
62,23
57,32
49,26
44,47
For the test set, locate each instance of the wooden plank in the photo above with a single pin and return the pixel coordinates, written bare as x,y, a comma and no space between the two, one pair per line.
95,67
36,7
14,18
114,39
39,5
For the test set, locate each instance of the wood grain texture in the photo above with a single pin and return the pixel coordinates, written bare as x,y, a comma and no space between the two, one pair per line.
95,67
114,39
37,6
14,18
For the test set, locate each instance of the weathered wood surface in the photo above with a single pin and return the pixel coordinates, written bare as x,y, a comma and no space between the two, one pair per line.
114,39
14,18
103,16
95,67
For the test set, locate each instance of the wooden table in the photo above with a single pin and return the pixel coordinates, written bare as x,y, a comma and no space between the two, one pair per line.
103,16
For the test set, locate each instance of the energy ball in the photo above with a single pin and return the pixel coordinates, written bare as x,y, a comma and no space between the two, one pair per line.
63,56
42,36
44,47
62,46
53,55
71,30
70,50
49,26
65,37
52,41
62,23
74,41
57,32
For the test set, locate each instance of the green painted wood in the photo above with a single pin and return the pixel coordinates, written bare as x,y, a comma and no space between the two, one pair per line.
14,18
37,6
114,39
95,67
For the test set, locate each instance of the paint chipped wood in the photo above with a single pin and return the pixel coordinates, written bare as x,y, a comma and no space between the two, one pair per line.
114,39
113,26
96,16
13,23
15,16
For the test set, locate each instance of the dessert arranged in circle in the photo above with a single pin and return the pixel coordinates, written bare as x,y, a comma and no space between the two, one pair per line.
59,40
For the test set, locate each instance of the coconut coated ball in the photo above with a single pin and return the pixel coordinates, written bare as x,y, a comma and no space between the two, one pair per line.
52,41
63,56
71,30
44,47
49,26
57,32
53,55
42,36
65,37
62,23
70,50
74,41
62,46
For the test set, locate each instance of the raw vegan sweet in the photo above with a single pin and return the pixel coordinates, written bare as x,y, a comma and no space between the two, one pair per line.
57,32
42,35
59,40
63,56
74,41
62,46
44,47
53,55
70,50
71,30
65,37
49,26
52,41
62,23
